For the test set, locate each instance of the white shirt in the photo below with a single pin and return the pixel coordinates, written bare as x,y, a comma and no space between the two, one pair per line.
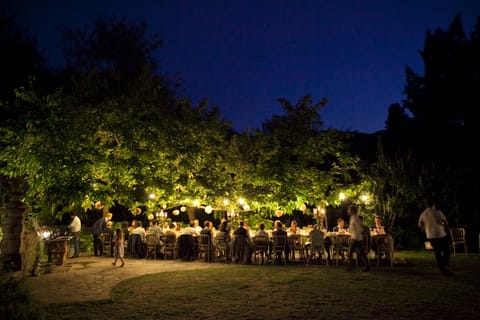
75,225
140,231
432,221
356,228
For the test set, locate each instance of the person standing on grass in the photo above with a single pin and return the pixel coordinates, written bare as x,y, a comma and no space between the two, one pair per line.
434,223
119,247
356,230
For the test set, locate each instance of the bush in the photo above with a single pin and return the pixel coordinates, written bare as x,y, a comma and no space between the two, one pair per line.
16,303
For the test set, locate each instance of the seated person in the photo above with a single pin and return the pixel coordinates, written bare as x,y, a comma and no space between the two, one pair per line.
196,225
293,227
108,228
278,231
379,228
171,231
207,230
136,241
316,243
340,227
242,246
223,227
139,230
262,233
190,229
156,231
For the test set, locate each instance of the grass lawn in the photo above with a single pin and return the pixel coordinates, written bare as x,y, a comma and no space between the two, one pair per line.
415,290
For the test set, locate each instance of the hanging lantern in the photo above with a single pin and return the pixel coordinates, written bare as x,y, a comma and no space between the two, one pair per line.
150,217
138,211
98,205
183,208
279,213
176,212
208,209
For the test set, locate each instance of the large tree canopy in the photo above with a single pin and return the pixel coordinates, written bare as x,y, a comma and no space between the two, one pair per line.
115,131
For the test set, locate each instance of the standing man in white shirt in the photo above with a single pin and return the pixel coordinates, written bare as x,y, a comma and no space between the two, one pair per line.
75,227
434,223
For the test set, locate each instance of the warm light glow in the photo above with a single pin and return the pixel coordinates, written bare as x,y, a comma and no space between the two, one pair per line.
195,203
364,198
319,211
138,211
176,212
246,207
208,209
162,214
232,214
151,195
241,201
183,208
279,213
46,234
150,217
98,205
342,196
225,202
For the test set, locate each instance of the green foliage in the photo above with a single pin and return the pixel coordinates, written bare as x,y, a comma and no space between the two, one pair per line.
116,132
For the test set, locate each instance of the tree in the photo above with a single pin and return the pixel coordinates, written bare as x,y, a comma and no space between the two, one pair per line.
441,102
21,59
296,164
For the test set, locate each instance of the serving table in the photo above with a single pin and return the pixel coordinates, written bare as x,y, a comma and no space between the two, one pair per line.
57,249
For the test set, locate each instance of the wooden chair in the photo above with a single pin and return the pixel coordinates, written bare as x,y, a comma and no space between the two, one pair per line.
107,243
458,238
152,246
341,247
260,249
279,248
205,247
169,247
296,245
385,246
316,246
221,247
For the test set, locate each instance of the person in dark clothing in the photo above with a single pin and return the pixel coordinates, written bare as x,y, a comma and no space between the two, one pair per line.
97,229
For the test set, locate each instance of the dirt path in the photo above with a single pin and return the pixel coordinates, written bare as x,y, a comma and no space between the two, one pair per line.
91,278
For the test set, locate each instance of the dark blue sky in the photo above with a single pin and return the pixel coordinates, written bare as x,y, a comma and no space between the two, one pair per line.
244,55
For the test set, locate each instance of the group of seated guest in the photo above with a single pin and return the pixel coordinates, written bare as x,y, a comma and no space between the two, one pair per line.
240,242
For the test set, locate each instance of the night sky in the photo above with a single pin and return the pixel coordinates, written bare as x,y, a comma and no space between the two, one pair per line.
244,55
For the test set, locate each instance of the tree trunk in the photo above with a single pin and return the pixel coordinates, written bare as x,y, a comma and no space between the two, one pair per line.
191,213
13,230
